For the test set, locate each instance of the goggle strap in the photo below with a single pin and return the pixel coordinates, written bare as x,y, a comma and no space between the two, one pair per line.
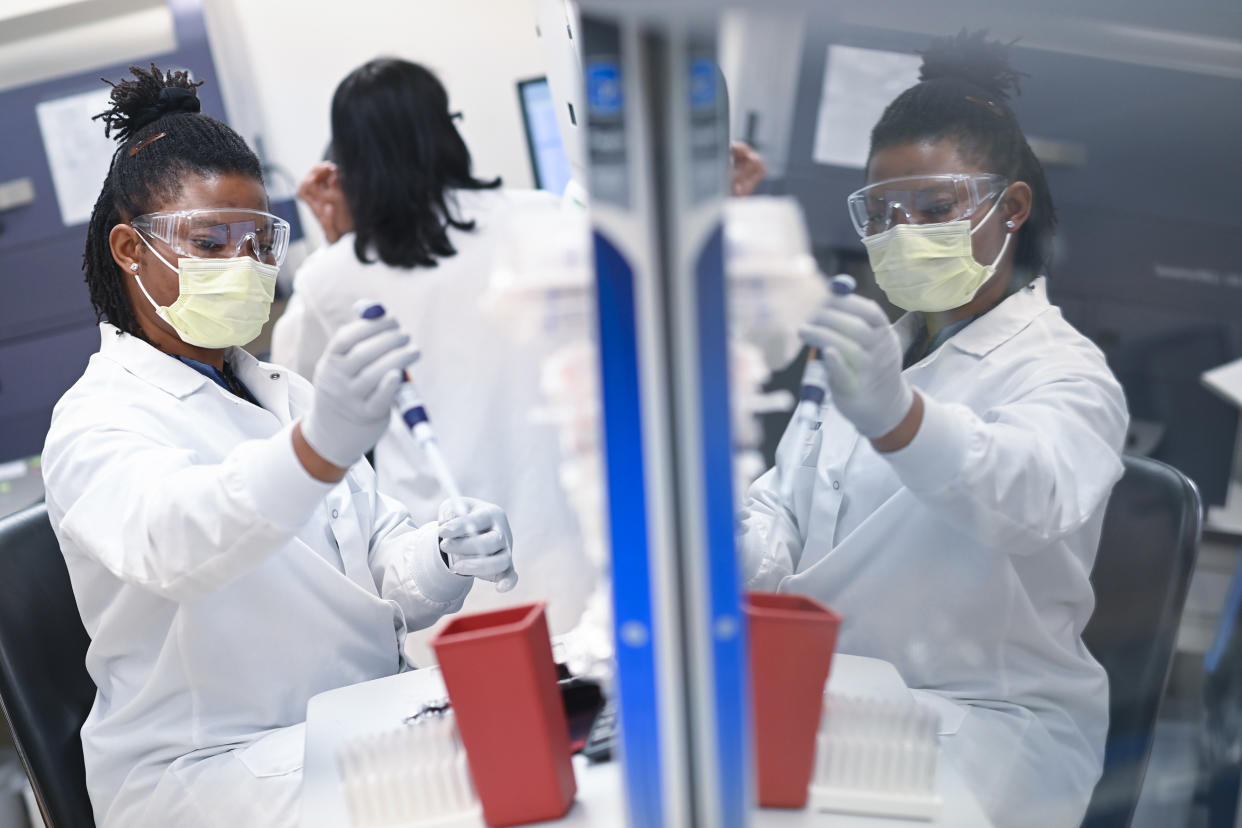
157,255
1004,247
988,215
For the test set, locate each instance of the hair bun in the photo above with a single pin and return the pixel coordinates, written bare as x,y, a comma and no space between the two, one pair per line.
970,57
147,97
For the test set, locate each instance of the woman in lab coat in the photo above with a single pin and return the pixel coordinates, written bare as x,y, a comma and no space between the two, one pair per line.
410,225
228,549
950,502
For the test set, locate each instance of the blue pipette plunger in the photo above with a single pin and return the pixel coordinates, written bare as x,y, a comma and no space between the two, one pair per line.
811,397
409,404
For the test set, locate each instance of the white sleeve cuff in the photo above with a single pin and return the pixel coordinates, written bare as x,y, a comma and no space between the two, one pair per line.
270,477
937,455
432,576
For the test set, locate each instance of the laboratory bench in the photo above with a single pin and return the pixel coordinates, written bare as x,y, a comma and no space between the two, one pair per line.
339,715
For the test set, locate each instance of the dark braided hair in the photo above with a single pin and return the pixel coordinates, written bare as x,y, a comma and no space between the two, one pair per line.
399,155
162,139
963,95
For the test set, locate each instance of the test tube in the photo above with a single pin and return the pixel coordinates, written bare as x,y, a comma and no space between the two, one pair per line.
810,398
409,404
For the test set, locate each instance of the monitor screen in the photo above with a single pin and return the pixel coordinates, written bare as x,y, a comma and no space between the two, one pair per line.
543,138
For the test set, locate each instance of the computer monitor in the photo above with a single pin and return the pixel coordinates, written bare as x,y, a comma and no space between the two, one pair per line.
543,138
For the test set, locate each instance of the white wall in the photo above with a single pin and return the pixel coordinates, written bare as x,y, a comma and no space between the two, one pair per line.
280,61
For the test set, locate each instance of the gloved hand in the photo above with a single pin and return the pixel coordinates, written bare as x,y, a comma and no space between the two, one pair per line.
355,382
478,544
864,357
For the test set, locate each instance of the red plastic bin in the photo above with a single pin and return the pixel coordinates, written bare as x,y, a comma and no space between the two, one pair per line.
501,681
791,642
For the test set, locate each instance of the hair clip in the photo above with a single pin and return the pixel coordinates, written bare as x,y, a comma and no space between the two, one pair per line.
988,105
145,143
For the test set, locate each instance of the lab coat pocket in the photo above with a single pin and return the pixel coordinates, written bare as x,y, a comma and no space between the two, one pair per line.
951,713
277,753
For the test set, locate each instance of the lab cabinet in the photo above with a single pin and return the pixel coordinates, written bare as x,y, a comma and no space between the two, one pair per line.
34,372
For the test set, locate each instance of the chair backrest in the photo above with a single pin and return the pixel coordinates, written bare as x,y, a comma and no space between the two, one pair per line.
1220,728
1142,573
45,690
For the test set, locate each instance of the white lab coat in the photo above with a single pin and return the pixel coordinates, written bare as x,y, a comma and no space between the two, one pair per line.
481,389
221,585
964,557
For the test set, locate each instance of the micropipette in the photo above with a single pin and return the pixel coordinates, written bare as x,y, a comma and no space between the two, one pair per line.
409,404
810,398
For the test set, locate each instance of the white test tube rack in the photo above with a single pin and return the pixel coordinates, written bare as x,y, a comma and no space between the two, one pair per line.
876,758
415,775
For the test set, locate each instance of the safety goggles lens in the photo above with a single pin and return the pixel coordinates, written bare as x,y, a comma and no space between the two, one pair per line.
220,234
930,199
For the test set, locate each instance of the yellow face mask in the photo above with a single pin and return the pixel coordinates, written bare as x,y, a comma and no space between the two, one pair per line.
222,302
930,267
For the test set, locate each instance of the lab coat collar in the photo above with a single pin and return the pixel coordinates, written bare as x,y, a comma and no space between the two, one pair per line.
145,361
267,383
990,330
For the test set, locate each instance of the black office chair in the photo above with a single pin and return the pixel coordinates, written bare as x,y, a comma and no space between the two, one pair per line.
45,690
1142,572
1220,733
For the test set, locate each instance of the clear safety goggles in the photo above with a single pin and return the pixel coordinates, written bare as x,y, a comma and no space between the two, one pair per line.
921,199
219,233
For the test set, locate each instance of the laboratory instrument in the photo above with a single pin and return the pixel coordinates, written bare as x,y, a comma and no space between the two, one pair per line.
540,289
409,404
876,758
601,741
413,775
811,398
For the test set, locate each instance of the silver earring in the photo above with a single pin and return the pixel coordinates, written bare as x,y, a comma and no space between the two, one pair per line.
1008,224
134,265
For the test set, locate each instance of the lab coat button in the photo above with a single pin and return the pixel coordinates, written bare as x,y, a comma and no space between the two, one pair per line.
836,484
335,514
275,376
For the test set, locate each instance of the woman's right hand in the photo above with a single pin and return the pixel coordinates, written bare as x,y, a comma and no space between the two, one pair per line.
355,382
321,190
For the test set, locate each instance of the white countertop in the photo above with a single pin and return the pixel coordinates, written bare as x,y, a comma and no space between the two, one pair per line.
373,706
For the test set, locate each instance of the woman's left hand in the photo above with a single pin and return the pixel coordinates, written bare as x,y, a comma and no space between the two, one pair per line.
478,544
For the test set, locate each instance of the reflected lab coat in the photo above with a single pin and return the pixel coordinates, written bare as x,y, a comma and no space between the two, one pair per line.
221,585
963,558
481,388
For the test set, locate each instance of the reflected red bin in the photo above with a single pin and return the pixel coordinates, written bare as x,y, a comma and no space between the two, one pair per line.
791,642
501,680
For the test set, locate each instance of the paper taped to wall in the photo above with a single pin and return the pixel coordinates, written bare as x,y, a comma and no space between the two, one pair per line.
858,85
77,151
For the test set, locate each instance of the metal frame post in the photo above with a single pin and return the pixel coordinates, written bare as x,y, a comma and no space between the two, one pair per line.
657,148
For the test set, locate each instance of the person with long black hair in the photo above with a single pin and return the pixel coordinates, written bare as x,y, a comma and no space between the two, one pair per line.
951,500
410,224
228,549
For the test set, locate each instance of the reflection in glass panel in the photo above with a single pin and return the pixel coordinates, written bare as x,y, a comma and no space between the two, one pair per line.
1060,373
